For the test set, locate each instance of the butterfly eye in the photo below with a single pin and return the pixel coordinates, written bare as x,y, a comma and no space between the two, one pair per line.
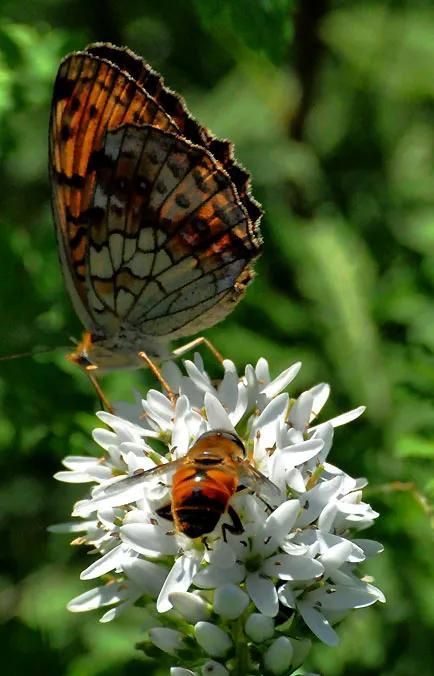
82,361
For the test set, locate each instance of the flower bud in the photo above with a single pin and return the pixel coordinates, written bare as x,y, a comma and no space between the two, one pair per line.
230,601
212,668
212,639
279,655
259,627
192,607
168,640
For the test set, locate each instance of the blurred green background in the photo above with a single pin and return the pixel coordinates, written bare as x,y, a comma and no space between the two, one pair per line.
330,105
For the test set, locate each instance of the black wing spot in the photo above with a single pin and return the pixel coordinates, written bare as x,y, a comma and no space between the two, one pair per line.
153,157
182,201
141,186
65,132
99,160
74,181
161,187
75,104
63,89
120,184
222,180
175,168
200,225
93,217
152,83
116,210
200,181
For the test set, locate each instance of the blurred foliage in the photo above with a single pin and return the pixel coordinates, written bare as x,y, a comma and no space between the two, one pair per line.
331,106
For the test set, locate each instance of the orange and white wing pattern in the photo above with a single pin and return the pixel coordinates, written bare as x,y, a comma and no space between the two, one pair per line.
155,223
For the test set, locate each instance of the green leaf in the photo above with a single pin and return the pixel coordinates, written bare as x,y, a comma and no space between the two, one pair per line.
263,26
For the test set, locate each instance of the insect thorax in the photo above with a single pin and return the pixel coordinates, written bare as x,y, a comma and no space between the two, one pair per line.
120,351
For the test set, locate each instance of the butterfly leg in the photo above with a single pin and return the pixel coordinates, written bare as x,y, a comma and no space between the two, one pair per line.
195,343
157,373
103,399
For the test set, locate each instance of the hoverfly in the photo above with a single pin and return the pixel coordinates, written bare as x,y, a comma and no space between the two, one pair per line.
203,483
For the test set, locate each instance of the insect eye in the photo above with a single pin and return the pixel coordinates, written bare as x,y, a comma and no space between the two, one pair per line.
82,360
232,437
229,436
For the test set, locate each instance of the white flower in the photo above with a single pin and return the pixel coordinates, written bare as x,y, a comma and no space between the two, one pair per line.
259,559
284,545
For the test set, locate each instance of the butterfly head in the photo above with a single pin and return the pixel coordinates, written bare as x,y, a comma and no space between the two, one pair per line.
95,353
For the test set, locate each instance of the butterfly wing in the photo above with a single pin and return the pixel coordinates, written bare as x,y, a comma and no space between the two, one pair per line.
155,223
90,96
172,241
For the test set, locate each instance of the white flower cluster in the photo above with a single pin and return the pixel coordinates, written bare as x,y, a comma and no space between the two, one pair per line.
255,597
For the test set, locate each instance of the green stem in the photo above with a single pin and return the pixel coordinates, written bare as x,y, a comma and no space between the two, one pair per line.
242,656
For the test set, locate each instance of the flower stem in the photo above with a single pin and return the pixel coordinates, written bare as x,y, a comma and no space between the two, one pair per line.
242,657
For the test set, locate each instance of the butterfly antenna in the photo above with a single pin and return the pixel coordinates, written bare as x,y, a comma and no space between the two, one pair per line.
31,353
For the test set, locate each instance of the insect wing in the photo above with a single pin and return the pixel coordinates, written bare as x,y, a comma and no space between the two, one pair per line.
168,238
155,223
254,480
90,96
128,489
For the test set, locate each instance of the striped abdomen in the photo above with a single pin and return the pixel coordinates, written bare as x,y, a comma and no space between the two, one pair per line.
200,496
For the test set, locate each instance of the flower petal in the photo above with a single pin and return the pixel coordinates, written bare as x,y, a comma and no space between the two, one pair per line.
148,539
347,417
149,577
282,381
318,624
216,414
288,567
320,393
98,597
263,594
105,564
278,525
178,580
301,411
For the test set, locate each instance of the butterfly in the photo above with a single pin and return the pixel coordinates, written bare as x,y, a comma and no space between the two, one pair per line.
156,227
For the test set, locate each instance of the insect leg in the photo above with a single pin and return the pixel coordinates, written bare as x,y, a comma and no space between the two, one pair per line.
157,373
205,544
180,351
240,487
236,527
103,399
